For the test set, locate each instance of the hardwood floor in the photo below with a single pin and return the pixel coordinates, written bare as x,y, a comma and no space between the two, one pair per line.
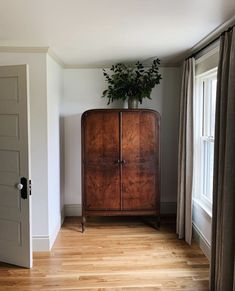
112,255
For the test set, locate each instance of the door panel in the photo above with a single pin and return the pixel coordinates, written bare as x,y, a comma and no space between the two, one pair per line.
10,161
139,153
101,152
10,231
9,125
9,88
9,196
15,230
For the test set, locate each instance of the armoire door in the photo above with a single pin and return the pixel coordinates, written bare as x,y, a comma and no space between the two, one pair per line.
101,147
139,153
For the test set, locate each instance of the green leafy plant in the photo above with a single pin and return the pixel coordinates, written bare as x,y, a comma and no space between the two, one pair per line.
131,81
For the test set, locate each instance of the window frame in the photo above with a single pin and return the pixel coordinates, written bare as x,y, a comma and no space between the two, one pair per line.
201,137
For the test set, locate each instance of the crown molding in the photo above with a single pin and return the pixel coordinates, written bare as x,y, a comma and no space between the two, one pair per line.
23,49
56,58
34,50
77,66
105,66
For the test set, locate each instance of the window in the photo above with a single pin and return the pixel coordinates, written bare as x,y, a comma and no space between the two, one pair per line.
204,118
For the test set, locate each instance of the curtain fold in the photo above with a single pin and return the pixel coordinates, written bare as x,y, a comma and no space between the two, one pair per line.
223,219
185,154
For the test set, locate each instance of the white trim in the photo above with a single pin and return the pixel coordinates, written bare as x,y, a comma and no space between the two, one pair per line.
208,73
202,241
44,243
54,234
200,138
205,207
23,49
207,55
36,50
41,243
73,210
77,66
76,209
56,58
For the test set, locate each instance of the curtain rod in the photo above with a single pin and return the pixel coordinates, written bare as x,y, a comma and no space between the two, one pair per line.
211,42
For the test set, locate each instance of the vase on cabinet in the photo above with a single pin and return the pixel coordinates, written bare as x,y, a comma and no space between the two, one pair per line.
133,103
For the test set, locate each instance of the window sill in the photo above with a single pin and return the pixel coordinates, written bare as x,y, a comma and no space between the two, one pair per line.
204,207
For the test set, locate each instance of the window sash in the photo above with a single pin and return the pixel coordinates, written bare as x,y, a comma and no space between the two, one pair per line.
204,116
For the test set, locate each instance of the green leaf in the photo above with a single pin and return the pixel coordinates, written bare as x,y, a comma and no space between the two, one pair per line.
131,81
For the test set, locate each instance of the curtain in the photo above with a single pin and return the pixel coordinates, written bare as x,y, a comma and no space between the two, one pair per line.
223,219
185,154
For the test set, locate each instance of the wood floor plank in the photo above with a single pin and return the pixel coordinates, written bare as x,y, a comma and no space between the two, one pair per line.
112,255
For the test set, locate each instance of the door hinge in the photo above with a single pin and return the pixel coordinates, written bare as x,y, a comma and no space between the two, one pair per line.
30,187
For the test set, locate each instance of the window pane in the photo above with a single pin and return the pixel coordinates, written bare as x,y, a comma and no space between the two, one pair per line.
213,104
205,101
208,169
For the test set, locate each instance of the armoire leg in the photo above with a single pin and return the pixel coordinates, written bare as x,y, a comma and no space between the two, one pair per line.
83,223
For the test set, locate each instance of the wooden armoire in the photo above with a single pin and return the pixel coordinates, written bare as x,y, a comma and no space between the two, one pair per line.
120,163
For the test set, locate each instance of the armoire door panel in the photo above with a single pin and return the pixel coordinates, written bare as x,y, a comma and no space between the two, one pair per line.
102,187
139,153
101,137
101,153
139,137
139,186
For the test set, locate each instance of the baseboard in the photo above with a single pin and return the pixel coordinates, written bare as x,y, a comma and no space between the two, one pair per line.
202,241
62,215
54,234
168,208
76,209
41,243
72,210
44,243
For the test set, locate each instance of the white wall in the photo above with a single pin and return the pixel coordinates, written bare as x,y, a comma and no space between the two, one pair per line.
45,91
38,136
54,95
82,90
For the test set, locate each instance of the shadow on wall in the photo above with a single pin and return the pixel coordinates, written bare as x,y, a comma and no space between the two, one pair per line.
71,157
169,135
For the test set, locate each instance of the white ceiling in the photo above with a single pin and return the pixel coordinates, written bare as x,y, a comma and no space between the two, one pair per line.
102,32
